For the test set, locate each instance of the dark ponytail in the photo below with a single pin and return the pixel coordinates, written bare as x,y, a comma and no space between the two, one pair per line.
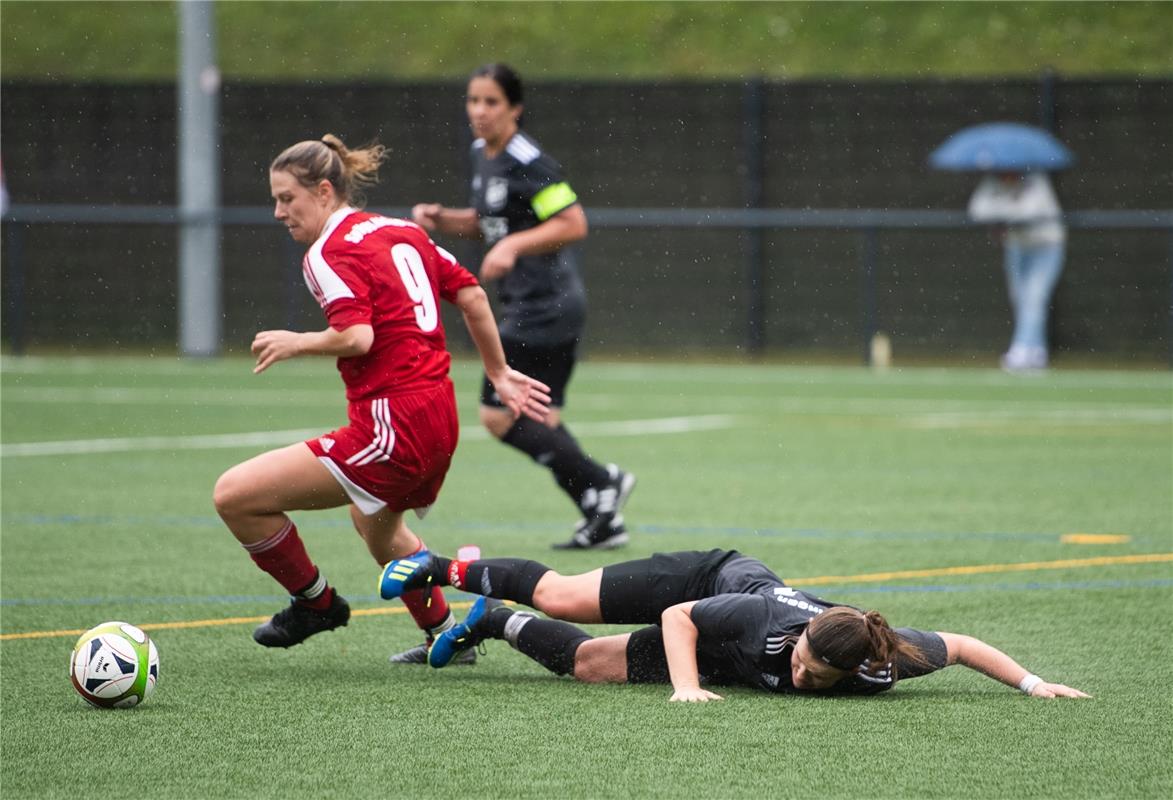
854,641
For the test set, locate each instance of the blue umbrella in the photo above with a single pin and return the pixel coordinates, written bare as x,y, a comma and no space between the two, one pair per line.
1001,146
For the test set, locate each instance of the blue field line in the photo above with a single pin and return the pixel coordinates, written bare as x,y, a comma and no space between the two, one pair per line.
1149,583
709,531
818,533
1028,586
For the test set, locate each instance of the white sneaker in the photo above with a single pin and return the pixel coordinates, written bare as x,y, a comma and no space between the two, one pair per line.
1036,358
1024,359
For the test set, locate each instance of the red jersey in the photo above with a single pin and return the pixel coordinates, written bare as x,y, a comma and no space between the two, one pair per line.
386,273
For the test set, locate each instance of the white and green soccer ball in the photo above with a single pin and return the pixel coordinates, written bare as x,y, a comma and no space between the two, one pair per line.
114,665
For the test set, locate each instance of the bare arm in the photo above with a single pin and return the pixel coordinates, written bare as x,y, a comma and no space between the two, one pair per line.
993,663
269,347
565,227
680,649
520,393
441,219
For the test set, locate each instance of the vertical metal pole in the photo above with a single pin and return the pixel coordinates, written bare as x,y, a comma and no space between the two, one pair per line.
869,316
293,292
199,181
753,114
1047,100
14,295
1169,343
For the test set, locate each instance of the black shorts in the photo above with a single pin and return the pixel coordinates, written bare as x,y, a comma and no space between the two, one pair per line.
638,592
646,661
552,365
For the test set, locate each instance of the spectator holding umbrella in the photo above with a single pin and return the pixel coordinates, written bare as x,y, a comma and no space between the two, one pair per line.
1034,238
1017,196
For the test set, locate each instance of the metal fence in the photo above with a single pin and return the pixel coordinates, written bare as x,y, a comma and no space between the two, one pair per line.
731,280
735,216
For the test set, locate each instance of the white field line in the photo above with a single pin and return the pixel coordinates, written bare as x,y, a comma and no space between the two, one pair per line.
863,376
1069,416
635,427
641,372
150,396
922,412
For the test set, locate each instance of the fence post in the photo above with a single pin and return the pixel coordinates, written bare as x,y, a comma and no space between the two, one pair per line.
1047,99
200,303
869,316
14,299
753,132
294,282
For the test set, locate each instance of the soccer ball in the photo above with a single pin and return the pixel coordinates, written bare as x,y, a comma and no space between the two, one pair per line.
114,665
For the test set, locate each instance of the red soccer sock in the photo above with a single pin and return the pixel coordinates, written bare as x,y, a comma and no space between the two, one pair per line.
426,614
283,556
456,572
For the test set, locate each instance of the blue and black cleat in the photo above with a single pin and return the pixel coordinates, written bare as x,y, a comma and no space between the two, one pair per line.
404,574
450,644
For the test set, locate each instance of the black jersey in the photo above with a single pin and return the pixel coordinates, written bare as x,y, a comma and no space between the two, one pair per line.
543,298
747,633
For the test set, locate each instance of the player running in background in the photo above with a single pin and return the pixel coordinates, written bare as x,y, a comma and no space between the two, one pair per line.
379,282
528,216
715,617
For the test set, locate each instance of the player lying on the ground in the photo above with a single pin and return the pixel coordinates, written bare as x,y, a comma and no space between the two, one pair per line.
715,617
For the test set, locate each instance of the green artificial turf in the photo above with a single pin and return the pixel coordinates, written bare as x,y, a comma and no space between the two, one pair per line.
827,474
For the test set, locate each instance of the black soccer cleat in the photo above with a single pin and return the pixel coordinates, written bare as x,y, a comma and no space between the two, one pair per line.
602,526
297,622
603,520
615,535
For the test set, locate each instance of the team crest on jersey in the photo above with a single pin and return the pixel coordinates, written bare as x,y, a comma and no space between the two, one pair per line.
496,192
326,442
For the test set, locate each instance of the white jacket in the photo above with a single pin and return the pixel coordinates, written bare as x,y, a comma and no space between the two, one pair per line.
1027,206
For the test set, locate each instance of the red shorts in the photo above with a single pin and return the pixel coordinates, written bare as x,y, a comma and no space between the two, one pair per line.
396,450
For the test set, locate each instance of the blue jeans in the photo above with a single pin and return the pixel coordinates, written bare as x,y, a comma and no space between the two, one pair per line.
1031,274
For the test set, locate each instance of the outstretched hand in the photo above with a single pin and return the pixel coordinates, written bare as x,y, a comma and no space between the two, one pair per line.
426,215
269,347
693,694
1052,690
521,394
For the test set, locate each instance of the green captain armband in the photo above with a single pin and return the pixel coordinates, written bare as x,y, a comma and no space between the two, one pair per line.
552,199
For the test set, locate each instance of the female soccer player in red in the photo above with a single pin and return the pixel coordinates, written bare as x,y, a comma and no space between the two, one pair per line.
379,282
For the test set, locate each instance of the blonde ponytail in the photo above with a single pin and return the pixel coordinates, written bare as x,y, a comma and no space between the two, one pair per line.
329,159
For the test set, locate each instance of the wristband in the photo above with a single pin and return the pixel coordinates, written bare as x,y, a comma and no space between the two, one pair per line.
1028,684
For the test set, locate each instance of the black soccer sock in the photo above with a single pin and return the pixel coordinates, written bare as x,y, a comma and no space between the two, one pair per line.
505,578
438,568
554,448
581,471
550,642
